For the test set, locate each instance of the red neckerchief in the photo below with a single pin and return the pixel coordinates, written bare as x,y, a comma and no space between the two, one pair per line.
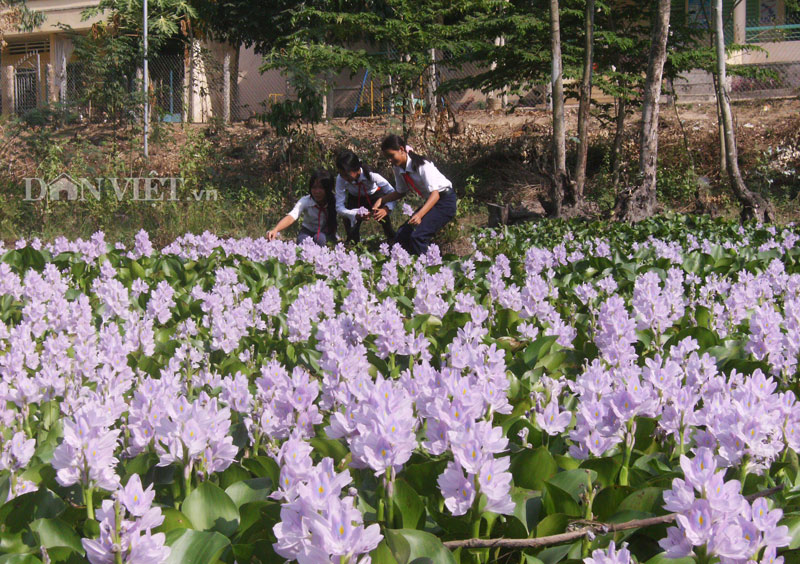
319,217
363,187
409,182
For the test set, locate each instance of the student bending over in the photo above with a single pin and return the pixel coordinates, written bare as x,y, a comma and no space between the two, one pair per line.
415,173
318,209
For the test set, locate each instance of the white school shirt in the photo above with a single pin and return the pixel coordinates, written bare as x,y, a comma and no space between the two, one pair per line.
426,179
372,184
315,217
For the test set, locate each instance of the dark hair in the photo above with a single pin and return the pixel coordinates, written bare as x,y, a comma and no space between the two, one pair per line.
348,161
326,179
395,143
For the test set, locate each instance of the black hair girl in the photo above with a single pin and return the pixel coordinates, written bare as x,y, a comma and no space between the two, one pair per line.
395,143
348,161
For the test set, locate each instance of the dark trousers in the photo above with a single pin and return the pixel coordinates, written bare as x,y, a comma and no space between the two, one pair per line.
416,238
320,238
354,229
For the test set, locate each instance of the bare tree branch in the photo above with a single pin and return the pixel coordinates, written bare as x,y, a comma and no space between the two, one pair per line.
591,528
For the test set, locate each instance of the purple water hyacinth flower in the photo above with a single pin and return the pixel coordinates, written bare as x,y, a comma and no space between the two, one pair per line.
389,275
551,420
378,452
295,455
475,445
316,524
136,499
270,303
323,484
468,268
195,435
721,519
700,469
17,452
766,338
457,490
763,518
292,531
142,247
338,534
131,540
468,452
696,522
161,302
436,435
723,496
770,556
558,327
680,498
236,393
735,539
616,333
21,487
313,301
385,428
597,443
675,545
86,455
607,285
610,556
494,481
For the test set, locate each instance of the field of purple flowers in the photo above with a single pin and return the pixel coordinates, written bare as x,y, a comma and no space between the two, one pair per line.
225,400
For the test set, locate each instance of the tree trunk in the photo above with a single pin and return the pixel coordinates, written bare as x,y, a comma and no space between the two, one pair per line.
559,134
619,135
575,195
640,202
430,93
723,159
493,102
753,205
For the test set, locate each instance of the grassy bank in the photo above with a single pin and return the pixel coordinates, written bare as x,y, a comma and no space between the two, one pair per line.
238,180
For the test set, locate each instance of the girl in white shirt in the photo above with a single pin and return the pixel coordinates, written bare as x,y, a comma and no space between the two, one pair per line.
414,173
318,209
358,187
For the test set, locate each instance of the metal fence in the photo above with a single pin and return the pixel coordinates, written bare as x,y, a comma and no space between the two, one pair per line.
371,95
769,66
204,83
775,55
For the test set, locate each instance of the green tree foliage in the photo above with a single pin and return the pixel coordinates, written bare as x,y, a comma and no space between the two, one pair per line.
524,60
15,15
241,22
312,41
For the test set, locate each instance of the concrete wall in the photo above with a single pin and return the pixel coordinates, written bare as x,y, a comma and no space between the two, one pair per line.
66,12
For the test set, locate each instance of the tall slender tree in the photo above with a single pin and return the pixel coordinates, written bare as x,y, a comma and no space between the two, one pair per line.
753,205
559,178
639,202
575,193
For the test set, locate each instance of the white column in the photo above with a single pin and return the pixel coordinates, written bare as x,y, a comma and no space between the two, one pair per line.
8,90
226,78
739,28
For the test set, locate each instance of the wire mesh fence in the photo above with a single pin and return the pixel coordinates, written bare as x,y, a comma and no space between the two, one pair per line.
775,54
366,94
167,77
202,82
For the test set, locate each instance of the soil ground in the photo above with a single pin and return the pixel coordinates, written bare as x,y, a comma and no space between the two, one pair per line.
501,156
